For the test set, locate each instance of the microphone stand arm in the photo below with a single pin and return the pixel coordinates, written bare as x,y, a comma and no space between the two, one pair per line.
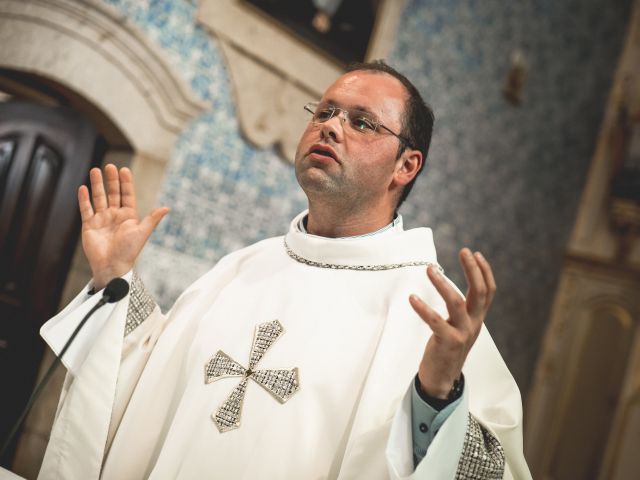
45,379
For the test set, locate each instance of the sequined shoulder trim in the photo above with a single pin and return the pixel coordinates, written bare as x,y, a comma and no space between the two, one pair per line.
141,304
482,455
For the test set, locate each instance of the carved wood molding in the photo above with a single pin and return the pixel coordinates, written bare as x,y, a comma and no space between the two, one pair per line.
273,73
592,234
586,292
96,51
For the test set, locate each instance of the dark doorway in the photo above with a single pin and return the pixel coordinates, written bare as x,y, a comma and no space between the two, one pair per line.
46,151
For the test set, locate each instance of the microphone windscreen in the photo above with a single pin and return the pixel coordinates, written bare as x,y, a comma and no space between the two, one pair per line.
116,290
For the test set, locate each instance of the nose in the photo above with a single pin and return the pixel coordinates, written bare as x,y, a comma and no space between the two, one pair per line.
333,128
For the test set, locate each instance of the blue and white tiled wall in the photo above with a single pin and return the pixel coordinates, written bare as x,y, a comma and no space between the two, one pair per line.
505,180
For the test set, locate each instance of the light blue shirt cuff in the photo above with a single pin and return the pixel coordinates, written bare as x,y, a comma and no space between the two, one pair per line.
425,422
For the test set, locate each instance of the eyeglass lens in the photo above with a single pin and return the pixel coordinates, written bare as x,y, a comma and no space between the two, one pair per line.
360,121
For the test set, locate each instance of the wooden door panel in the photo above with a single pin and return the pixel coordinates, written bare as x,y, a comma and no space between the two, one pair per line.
45,155
30,216
10,194
7,148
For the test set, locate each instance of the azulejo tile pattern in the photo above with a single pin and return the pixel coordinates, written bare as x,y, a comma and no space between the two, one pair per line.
501,179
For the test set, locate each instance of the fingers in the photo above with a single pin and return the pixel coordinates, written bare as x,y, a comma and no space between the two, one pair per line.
487,273
478,290
113,185
86,211
126,188
455,302
151,221
438,325
97,190
120,190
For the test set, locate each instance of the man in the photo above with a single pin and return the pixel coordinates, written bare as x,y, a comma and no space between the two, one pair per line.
356,385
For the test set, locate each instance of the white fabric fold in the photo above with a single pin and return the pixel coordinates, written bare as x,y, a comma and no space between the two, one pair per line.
414,245
8,475
140,408
57,331
442,457
79,435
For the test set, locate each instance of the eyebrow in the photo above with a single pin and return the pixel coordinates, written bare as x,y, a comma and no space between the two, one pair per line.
355,107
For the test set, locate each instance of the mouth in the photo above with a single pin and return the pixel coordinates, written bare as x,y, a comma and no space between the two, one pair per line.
323,152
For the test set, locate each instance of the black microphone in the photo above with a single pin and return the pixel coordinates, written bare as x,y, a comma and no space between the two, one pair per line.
115,291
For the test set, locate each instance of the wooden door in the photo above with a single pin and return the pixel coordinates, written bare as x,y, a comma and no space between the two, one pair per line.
45,155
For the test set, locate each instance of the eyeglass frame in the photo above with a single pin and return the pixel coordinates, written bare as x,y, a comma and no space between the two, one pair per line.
311,106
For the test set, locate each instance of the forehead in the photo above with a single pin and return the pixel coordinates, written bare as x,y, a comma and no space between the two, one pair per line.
377,92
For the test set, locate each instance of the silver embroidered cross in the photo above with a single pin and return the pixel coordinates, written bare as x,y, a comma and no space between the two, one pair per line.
282,384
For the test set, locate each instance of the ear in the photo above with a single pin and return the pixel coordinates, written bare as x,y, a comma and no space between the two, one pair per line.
407,167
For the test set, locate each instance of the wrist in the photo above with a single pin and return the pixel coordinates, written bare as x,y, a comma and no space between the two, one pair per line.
440,403
438,388
101,277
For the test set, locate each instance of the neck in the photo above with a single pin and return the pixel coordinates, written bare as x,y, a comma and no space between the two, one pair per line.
346,222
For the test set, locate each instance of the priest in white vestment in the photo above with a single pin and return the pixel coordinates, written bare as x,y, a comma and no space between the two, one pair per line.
325,353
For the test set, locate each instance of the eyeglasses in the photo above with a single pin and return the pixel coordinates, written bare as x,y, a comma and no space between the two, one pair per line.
360,121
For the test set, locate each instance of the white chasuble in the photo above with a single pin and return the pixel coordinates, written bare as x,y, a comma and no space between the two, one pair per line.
291,359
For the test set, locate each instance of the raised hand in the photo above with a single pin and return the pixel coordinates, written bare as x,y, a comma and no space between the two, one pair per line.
112,233
447,348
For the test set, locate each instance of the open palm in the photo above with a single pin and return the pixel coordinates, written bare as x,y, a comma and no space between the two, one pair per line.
112,233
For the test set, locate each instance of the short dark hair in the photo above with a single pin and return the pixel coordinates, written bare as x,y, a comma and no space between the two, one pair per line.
417,121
